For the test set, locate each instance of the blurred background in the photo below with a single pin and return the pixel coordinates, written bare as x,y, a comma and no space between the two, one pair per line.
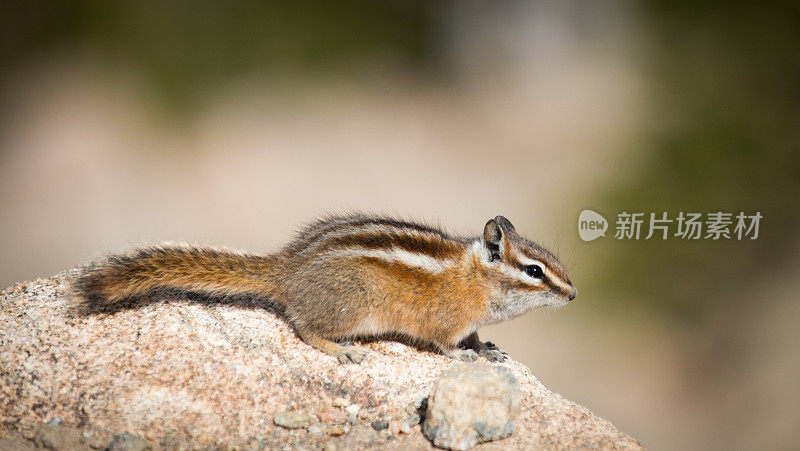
232,123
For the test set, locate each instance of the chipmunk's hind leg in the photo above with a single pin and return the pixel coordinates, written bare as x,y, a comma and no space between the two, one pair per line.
345,354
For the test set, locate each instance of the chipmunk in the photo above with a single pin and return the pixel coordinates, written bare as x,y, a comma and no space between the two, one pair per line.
345,277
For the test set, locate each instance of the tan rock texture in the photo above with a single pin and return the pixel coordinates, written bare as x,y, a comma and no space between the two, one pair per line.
191,373
472,402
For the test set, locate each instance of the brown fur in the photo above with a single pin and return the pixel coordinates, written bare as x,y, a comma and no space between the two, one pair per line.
345,277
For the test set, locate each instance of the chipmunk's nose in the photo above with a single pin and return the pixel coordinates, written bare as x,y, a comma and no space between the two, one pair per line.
573,292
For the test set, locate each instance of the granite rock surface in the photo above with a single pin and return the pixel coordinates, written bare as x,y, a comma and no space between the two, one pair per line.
182,372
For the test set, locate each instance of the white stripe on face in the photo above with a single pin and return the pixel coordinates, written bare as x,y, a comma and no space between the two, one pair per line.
479,248
551,276
393,255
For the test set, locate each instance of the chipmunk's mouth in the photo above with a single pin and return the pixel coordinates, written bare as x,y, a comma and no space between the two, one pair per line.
558,299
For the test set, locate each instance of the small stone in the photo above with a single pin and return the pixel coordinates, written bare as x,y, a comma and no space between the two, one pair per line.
331,416
97,439
363,414
340,402
293,420
55,421
405,428
413,420
352,409
15,441
471,403
379,425
352,421
58,437
128,442
338,429
316,429
394,427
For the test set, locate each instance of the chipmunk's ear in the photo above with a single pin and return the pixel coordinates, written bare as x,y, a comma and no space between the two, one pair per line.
495,237
506,225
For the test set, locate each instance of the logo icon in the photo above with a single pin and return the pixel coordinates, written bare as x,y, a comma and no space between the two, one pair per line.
591,225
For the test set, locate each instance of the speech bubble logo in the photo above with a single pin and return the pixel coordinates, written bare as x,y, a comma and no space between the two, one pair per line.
591,225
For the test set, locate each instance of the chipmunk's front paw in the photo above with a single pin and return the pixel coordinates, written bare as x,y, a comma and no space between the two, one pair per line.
348,354
494,355
492,352
465,355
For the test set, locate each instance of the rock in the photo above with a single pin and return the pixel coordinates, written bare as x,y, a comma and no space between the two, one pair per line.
187,374
331,416
352,409
316,429
338,429
16,442
59,438
395,426
379,425
293,420
97,438
55,421
340,402
413,420
352,414
128,442
472,403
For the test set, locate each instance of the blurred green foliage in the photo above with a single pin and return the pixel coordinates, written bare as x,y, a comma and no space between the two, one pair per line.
187,47
724,135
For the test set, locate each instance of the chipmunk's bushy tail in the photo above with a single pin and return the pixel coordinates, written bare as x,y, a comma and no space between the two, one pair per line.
198,269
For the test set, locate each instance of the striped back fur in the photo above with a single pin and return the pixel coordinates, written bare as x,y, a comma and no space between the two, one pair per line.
348,276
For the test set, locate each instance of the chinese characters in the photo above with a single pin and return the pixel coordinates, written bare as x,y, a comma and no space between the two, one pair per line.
687,226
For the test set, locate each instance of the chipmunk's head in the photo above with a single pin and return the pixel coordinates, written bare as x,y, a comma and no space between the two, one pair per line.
523,274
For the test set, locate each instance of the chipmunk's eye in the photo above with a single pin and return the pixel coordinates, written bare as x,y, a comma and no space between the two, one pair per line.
534,271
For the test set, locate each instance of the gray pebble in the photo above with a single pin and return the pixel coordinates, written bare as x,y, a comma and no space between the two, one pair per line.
128,442
58,437
379,425
293,420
